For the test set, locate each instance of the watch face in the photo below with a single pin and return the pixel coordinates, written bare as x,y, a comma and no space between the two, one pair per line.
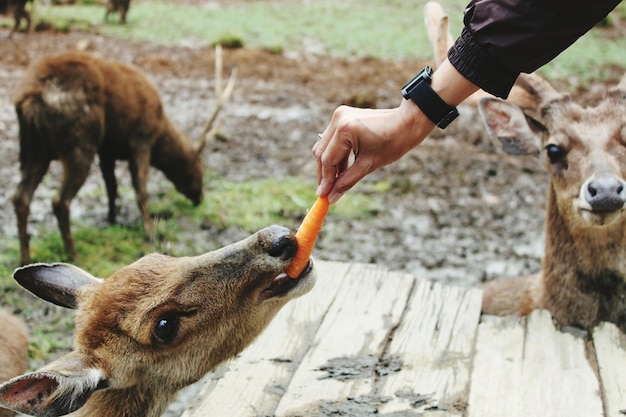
424,75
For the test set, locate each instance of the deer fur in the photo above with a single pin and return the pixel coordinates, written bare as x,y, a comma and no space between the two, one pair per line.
155,326
583,275
74,106
13,350
17,9
119,6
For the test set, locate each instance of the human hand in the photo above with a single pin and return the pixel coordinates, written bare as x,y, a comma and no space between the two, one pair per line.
374,137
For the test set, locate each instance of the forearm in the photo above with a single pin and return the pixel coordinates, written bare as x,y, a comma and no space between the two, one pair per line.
451,85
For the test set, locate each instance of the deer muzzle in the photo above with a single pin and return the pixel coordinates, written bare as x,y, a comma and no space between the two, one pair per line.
602,199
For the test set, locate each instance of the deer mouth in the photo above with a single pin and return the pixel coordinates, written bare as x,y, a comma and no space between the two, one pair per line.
600,218
597,217
284,286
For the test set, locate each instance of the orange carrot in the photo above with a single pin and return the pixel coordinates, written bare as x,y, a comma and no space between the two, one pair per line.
306,236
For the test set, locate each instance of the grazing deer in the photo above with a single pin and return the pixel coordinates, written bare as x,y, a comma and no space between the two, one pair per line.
73,106
120,6
155,326
13,350
583,274
17,9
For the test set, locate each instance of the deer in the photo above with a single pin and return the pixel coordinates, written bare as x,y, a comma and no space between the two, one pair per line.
582,280
14,350
17,9
73,106
155,326
120,6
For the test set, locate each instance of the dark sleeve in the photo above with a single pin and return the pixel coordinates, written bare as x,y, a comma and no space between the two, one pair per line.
503,38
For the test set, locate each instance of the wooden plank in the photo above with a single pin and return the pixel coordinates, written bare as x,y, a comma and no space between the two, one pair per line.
341,363
526,367
610,345
253,383
435,344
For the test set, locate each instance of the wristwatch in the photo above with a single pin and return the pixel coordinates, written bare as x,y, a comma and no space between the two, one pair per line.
422,94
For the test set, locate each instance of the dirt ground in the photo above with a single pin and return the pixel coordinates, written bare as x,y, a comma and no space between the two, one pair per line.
459,212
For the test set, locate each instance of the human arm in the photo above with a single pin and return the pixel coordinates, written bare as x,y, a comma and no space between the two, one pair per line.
378,137
501,39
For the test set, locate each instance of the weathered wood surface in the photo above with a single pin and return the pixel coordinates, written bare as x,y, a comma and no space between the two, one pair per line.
610,346
372,342
526,367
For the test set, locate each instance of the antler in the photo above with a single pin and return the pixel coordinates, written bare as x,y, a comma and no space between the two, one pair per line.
221,94
622,83
619,91
436,21
539,88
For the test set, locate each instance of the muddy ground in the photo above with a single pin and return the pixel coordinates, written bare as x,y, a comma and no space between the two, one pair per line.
459,212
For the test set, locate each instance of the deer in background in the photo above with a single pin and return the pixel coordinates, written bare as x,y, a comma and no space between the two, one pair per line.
155,326
120,6
74,106
583,274
17,9
13,350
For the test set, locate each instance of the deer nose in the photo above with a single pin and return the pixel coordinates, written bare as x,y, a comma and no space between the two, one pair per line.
280,242
605,194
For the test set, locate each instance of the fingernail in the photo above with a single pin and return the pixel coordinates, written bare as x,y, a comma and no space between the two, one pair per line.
333,198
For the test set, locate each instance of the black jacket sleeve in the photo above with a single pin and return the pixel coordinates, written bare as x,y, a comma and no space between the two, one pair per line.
503,38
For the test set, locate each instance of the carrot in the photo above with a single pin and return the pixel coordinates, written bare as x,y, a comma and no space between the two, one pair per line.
306,236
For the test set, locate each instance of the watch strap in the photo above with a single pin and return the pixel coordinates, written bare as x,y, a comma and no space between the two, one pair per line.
427,99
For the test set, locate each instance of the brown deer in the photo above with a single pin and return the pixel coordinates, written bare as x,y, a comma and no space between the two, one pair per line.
13,350
155,326
74,106
583,275
120,6
17,9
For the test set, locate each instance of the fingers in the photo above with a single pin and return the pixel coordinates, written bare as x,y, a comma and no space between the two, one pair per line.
340,140
318,150
335,174
347,179
329,162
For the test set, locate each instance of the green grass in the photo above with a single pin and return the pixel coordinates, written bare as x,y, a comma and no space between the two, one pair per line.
375,28
389,29
249,205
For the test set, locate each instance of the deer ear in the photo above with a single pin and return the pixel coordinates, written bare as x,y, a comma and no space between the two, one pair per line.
518,134
51,393
57,283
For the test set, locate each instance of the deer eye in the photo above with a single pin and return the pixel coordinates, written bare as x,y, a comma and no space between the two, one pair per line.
555,153
165,329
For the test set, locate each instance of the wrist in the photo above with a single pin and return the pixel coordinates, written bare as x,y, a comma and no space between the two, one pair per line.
415,126
419,91
451,85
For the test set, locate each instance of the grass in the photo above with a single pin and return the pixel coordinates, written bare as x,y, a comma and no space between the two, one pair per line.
388,29
375,28
249,205
103,250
